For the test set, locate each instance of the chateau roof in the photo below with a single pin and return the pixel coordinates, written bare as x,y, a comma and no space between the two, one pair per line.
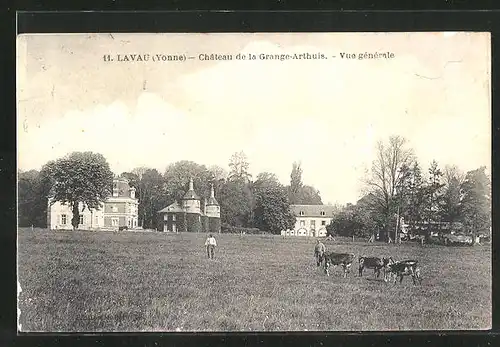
313,210
175,207
191,194
212,202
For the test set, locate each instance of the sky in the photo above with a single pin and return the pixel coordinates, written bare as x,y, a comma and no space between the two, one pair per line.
326,113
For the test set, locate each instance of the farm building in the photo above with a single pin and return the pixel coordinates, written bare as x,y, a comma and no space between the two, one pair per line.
311,220
188,216
120,210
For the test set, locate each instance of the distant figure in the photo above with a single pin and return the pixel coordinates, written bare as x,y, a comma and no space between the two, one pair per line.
210,243
319,252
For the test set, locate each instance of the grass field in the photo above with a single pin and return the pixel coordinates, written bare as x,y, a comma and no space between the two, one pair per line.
104,281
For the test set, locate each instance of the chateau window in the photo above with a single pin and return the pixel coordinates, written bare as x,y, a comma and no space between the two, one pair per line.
302,223
323,222
114,222
313,223
173,217
128,222
322,213
63,219
96,220
81,220
301,213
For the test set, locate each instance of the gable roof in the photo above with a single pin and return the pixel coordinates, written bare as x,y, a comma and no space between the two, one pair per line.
191,195
175,207
313,210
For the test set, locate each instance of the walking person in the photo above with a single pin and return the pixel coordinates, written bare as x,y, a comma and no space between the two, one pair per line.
210,243
319,252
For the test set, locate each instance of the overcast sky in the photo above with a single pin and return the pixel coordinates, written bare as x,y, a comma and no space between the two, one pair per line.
328,114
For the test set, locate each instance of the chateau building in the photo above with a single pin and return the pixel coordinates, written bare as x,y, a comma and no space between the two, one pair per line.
311,220
188,216
120,210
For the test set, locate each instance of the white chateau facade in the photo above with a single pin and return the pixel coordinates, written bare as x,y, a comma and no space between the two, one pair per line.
118,211
311,220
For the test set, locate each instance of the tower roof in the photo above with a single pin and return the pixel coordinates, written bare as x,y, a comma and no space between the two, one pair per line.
191,194
211,200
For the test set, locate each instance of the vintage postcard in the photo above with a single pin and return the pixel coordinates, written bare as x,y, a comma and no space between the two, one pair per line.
254,182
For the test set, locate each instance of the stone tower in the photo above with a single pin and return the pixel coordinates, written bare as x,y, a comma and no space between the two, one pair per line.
212,208
191,200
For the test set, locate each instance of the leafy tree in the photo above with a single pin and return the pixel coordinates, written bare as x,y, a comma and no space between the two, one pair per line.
32,202
300,194
476,202
177,176
272,211
309,195
451,200
352,220
295,183
434,193
416,197
152,186
239,167
386,176
235,201
80,177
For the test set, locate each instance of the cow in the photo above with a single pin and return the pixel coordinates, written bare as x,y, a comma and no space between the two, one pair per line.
405,268
334,259
374,263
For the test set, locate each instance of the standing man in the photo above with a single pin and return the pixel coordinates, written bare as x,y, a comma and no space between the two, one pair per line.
319,252
210,243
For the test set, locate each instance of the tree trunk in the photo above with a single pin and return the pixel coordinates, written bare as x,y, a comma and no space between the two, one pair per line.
76,216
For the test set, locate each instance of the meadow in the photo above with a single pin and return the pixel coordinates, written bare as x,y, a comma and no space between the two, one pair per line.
136,281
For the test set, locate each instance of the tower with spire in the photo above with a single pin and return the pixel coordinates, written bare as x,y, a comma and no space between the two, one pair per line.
191,200
187,214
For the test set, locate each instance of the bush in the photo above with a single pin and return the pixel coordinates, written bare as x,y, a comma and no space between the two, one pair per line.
229,229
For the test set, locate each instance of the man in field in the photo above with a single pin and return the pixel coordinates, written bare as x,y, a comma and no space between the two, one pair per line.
319,252
210,244
334,259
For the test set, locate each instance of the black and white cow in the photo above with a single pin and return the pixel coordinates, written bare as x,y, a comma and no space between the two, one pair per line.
374,263
334,259
405,268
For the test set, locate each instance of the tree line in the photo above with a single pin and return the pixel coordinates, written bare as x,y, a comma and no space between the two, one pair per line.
85,179
397,190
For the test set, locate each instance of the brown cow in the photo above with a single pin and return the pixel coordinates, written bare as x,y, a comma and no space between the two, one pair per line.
374,263
405,268
334,259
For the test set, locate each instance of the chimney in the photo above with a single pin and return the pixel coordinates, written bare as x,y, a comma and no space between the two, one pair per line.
191,184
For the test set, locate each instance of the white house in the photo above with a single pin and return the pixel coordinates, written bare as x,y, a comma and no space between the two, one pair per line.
119,210
311,220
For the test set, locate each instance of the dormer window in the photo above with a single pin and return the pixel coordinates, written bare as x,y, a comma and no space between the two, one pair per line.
322,213
301,213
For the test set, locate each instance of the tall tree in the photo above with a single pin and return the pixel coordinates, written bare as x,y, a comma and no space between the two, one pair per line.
177,176
152,186
32,202
295,183
476,202
451,202
80,177
308,195
239,167
386,176
434,195
235,201
272,209
416,197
